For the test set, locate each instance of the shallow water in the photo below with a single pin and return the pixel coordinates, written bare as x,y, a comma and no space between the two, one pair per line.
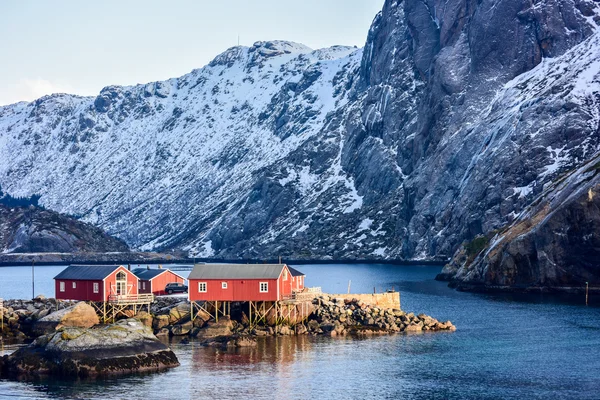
506,346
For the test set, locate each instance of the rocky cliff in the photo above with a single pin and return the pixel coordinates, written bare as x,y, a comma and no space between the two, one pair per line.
554,243
446,125
34,230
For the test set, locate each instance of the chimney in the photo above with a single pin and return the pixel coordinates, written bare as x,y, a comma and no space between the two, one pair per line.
128,267
147,267
159,266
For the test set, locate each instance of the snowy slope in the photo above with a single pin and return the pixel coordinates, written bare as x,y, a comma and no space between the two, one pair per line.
150,162
450,123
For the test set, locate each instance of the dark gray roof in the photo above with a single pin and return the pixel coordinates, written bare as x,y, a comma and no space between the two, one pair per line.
295,272
236,271
87,272
147,274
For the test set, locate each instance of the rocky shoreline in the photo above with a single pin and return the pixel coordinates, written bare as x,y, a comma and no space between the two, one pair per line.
170,316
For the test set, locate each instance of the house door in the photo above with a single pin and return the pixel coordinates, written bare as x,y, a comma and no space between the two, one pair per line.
121,283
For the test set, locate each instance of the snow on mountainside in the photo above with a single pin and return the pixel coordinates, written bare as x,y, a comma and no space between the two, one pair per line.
152,162
451,121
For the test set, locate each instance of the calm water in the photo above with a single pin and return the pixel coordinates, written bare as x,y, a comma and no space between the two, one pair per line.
505,347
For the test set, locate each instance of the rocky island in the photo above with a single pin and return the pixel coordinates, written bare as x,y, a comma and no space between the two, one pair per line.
71,342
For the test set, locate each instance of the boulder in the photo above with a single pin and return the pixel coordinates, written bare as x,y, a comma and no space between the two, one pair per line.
160,321
179,313
284,330
81,315
413,328
125,347
242,341
215,329
145,318
182,329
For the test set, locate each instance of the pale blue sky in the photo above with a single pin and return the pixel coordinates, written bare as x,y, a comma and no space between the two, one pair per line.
81,46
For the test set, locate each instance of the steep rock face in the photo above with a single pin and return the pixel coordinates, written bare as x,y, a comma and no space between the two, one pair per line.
553,243
446,125
34,230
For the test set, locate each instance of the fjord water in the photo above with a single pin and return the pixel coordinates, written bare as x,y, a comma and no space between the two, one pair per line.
505,346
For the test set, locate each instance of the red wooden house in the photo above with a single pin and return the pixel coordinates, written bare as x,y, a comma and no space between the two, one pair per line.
297,279
154,280
94,282
243,282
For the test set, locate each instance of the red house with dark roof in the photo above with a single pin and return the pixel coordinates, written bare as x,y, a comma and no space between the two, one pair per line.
155,280
243,282
94,282
297,279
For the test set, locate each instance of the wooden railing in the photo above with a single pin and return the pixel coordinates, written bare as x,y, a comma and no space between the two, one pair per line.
306,293
142,298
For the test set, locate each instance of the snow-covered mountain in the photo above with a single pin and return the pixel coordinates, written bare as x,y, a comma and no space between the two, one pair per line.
448,123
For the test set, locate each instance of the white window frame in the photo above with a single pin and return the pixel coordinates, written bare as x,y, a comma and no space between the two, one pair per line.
96,287
144,285
61,285
223,285
202,287
74,285
285,275
265,288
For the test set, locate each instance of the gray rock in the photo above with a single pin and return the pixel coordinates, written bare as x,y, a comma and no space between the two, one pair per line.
127,346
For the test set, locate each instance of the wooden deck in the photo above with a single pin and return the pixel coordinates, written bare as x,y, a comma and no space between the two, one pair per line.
131,299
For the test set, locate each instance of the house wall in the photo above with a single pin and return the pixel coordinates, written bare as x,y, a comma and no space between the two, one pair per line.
237,290
298,283
83,291
111,281
159,282
142,289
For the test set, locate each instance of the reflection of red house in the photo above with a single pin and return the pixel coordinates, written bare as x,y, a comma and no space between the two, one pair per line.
155,280
94,282
243,282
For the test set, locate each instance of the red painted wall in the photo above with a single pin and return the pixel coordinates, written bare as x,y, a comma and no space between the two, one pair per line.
157,285
245,289
237,290
111,281
83,291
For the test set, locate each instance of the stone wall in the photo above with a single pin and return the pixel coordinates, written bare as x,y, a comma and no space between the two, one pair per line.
382,300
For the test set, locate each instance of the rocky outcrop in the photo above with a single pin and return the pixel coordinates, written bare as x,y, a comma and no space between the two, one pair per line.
552,245
125,347
35,230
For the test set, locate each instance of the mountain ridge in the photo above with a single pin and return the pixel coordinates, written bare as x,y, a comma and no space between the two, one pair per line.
430,135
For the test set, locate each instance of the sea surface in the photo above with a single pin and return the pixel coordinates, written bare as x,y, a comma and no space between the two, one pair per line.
505,346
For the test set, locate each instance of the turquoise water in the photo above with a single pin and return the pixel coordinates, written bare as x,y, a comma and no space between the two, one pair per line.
506,346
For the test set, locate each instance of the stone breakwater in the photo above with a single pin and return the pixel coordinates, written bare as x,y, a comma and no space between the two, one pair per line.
339,316
324,315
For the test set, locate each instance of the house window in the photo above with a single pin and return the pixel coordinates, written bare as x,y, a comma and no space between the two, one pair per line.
264,287
62,286
202,287
74,285
285,274
143,285
96,287
223,285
